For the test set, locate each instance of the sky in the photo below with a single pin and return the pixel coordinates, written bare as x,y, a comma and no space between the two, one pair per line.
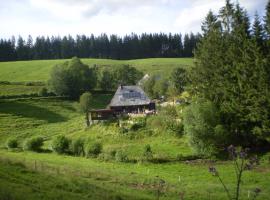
63,17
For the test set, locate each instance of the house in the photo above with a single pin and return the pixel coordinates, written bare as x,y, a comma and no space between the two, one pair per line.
126,100
130,99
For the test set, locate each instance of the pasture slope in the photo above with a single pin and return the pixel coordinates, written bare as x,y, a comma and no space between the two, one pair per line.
46,175
39,70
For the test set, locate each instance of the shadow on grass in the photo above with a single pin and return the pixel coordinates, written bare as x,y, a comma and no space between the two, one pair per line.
30,111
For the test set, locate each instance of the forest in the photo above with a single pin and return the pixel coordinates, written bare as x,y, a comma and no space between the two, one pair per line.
131,46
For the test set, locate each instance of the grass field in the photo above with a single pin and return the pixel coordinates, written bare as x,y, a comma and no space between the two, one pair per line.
10,90
74,177
28,175
39,70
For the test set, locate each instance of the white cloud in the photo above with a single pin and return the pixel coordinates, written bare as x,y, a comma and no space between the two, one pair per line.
191,17
62,17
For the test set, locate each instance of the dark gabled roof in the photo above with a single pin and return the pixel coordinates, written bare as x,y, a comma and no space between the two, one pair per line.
129,96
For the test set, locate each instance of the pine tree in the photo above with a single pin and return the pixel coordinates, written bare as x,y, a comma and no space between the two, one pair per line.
211,22
226,14
257,31
267,20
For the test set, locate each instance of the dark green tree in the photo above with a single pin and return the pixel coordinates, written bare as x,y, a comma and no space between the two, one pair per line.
179,79
107,81
257,31
72,78
231,72
127,75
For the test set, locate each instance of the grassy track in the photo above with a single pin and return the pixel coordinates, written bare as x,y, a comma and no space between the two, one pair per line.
38,70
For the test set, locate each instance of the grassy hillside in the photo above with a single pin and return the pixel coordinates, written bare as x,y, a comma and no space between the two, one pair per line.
29,175
38,70
47,175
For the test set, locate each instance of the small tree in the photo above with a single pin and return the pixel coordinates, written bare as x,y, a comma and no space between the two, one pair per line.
85,100
72,78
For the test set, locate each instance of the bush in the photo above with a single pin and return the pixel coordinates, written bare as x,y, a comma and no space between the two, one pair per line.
121,156
93,149
202,125
33,144
60,144
147,153
77,147
43,92
12,143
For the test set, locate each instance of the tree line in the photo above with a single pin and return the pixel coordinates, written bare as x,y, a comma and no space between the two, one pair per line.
131,46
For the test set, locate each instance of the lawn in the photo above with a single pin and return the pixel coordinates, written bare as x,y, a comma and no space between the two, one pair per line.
39,70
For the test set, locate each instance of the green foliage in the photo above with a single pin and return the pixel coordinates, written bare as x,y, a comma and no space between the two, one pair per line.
107,81
77,147
85,101
160,88
179,79
33,144
93,149
72,78
202,125
156,87
148,86
60,144
12,143
121,156
231,71
147,153
127,75
43,92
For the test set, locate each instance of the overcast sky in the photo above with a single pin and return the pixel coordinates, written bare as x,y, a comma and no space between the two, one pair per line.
63,17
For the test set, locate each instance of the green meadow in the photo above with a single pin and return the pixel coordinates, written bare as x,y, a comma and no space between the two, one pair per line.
46,175
39,70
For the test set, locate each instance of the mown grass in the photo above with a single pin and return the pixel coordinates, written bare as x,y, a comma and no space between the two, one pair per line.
39,70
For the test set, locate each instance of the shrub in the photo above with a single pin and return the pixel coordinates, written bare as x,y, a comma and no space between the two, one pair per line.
77,147
33,144
12,143
60,144
202,124
147,153
93,149
43,92
121,156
